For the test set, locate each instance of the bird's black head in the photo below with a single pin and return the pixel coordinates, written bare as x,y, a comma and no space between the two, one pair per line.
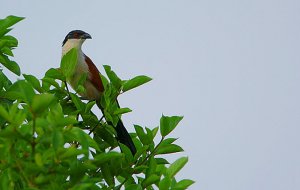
76,34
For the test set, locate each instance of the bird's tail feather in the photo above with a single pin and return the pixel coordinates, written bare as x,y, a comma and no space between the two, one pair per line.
124,137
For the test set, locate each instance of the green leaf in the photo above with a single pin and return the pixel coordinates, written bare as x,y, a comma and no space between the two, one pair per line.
38,159
9,21
144,138
55,74
10,65
149,135
103,133
21,90
4,31
89,106
135,82
122,111
140,169
153,178
127,152
4,114
134,187
104,81
77,102
34,82
7,51
80,84
167,149
77,172
151,166
165,183
161,161
14,115
41,102
4,81
183,184
140,151
70,152
176,166
114,79
50,81
168,141
102,158
26,129
8,41
57,139
69,62
168,124
106,172
154,131
89,119
84,139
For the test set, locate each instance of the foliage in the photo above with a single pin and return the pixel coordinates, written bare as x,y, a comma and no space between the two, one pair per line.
51,139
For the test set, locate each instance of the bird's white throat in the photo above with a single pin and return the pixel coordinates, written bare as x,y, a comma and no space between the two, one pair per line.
72,43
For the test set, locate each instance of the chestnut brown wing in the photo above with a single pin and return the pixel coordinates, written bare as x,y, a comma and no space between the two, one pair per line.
95,74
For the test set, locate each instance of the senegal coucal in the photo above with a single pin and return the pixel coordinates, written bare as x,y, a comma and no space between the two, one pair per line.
93,84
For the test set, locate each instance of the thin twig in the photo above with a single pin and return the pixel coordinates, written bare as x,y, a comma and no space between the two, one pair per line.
66,84
96,125
152,153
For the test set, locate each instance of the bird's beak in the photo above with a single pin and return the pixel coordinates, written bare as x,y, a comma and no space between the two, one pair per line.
86,36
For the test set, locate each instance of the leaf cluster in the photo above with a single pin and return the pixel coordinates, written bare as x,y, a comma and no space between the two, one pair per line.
51,139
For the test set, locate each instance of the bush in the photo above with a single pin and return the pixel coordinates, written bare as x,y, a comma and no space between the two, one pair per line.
51,139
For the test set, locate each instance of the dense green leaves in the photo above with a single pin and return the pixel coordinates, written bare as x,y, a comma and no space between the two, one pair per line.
7,43
50,138
14,115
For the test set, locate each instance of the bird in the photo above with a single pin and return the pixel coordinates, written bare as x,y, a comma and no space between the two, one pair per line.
93,84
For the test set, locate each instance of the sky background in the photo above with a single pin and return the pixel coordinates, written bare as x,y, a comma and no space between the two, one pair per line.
230,67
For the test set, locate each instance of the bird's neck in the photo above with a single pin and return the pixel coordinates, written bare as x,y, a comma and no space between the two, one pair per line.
72,43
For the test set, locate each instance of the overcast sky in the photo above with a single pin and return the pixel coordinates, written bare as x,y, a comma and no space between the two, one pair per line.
231,67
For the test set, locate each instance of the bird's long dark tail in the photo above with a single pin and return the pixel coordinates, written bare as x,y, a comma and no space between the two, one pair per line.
124,137
122,133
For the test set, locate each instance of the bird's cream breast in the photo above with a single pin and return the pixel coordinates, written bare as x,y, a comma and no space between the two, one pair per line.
81,69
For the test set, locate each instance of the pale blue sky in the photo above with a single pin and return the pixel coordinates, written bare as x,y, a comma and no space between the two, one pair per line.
232,68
